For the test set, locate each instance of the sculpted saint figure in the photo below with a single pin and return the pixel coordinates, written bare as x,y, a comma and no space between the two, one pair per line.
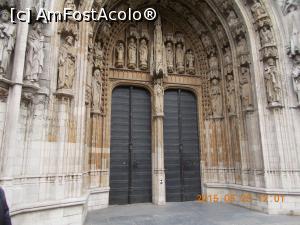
213,61
232,18
70,5
206,41
120,55
245,85
99,55
132,53
66,64
97,90
230,94
34,54
190,62
216,98
227,56
143,51
266,36
296,76
242,45
257,9
179,58
272,82
170,57
159,98
7,40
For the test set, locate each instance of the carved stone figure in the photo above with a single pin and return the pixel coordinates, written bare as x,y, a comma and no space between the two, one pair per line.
272,82
99,55
266,36
257,9
241,45
70,5
34,55
296,77
7,40
293,21
143,51
216,98
245,84
170,57
96,91
220,32
190,62
179,58
120,55
66,64
206,41
227,56
132,53
232,18
158,98
230,94
213,61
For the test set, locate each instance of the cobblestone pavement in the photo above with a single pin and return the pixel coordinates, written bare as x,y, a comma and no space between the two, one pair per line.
187,213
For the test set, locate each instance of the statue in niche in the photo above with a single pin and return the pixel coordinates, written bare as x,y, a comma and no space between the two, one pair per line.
293,21
232,18
213,61
216,98
34,55
230,94
120,55
227,56
257,9
69,4
179,58
132,53
272,81
97,90
266,35
245,85
242,45
190,62
99,55
220,32
143,51
66,63
170,57
296,76
7,40
206,41
159,97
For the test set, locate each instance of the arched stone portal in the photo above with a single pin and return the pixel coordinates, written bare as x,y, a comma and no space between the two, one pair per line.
57,80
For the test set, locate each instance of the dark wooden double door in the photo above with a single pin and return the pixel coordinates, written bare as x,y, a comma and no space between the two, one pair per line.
130,157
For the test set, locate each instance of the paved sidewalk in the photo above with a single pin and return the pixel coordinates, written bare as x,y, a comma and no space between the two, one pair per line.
187,213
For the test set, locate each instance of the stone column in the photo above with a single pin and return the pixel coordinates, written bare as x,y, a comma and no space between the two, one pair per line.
11,154
158,177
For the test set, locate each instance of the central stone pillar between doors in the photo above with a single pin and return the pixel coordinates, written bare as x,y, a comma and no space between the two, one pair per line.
158,175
